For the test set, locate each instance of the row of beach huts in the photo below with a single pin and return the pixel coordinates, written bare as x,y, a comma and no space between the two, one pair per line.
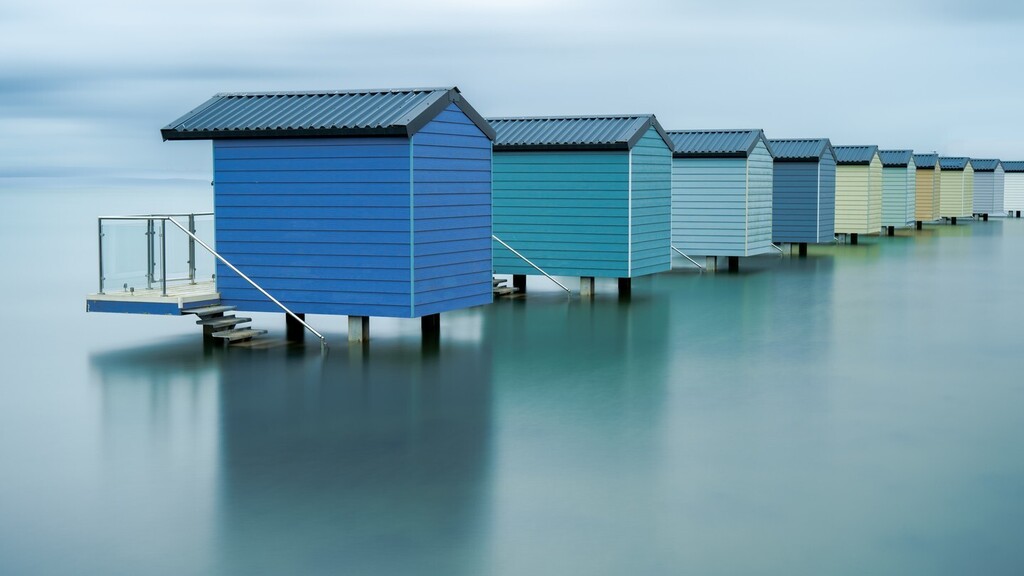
404,203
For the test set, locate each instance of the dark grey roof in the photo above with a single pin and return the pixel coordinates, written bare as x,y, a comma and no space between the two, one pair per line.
855,154
314,114
573,132
985,165
1013,166
896,158
800,149
716,143
927,161
954,162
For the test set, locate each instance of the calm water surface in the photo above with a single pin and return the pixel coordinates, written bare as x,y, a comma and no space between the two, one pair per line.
857,412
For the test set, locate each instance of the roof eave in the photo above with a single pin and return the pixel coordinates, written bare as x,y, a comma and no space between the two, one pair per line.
172,134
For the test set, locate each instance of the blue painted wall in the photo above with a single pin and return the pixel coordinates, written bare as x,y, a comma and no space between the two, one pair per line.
651,208
325,224
722,206
803,208
569,211
452,207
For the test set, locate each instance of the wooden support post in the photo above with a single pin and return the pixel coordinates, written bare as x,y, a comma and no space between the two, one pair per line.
984,217
803,250
853,239
920,225
358,328
430,326
890,230
734,264
586,286
953,220
519,283
625,287
294,332
1018,213
711,263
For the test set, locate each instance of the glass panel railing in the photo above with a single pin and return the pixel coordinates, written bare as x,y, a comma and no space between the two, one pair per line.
150,253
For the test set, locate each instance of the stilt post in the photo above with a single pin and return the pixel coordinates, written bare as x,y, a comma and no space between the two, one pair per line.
294,331
587,286
358,328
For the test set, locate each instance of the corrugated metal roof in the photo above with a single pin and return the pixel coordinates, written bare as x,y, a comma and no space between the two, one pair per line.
800,149
855,154
926,160
985,165
953,162
333,113
573,132
896,158
702,143
1013,166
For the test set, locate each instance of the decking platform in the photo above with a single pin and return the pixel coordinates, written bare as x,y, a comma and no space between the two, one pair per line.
179,297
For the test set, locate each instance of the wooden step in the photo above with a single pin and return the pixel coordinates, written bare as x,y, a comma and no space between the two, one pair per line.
505,291
222,321
208,310
498,282
238,334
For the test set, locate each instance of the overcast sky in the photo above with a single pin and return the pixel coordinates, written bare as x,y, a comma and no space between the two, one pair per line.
85,87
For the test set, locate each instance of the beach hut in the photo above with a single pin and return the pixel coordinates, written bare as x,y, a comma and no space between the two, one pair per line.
1013,188
927,178
358,202
899,189
721,194
858,191
586,196
803,192
956,188
989,178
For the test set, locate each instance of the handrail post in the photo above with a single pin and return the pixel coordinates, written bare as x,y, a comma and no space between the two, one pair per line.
163,257
99,238
150,259
191,250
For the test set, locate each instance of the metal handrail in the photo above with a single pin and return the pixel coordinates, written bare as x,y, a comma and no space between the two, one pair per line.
777,248
527,260
694,262
294,316
164,218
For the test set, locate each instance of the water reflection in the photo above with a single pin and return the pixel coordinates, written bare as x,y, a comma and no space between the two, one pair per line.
370,464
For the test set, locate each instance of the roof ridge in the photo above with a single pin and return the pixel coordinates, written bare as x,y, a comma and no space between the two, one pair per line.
335,92
574,117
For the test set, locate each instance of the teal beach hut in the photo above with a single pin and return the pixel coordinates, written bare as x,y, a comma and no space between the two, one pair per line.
721,194
586,196
803,192
899,189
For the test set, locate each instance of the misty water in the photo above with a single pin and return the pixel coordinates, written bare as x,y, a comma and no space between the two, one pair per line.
855,412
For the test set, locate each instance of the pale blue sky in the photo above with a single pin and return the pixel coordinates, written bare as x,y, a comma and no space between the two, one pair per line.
85,88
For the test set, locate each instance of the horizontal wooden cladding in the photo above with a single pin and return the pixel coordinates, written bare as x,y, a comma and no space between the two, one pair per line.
346,249
927,195
302,214
458,273
350,201
1013,191
897,184
343,188
253,301
651,205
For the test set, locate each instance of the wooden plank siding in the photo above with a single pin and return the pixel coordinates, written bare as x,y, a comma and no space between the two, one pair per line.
926,207
1013,191
956,193
650,205
795,202
722,206
370,226
875,195
452,214
988,191
320,223
852,200
567,211
898,193
827,199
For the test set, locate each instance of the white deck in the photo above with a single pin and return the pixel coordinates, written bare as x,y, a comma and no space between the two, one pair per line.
180,294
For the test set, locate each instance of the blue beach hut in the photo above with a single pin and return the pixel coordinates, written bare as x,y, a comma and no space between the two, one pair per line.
586,196
899,189
989,179
360,203
803,192
721,194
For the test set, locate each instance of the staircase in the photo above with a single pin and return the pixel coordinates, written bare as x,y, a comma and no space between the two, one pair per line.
500,289
216,325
